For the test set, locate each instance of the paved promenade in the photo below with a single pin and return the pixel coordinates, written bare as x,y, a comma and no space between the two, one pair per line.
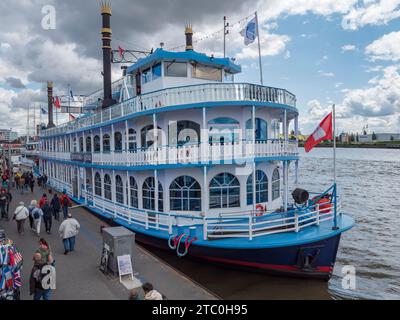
78,276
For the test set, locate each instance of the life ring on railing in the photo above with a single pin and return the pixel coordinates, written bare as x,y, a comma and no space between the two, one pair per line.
188,243
260,210
325,204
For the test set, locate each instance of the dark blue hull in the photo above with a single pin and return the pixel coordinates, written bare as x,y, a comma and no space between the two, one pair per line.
312,260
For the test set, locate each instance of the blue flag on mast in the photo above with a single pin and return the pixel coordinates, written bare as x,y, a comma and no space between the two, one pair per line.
250,32
43,111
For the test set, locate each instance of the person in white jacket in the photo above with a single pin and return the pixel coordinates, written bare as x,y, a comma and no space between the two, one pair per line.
20,215
69,229
150,293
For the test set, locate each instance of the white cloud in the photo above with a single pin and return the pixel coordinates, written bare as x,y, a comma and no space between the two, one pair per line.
348,47
385,48
326,74
371,12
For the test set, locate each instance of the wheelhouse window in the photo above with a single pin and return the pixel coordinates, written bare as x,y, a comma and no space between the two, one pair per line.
106,143
261,188
175,69
118,141
146,76
204,72
134,200
88,144
276,185
97,184
261,131
96,142
149,195
119,189
107,187
224,191
185,194
156,71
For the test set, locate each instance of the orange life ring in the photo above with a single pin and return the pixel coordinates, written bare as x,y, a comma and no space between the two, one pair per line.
260,210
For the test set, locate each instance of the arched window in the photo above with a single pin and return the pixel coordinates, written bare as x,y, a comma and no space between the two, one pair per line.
81,144
96,142
185,194
134,202
107,187
149,195
184,132
89,144
118,141
97,184
276,185
132,142
106,143
147,136
261,188
224,191
261,130
119,190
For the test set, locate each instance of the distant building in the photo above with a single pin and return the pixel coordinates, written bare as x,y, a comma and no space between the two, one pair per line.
7,135
344,138
380,137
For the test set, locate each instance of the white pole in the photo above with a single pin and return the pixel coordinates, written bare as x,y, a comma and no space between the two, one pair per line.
259,49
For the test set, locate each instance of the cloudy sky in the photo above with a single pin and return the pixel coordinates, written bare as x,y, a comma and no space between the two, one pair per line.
325,51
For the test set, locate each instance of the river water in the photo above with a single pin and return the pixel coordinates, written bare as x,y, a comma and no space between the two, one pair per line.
369,183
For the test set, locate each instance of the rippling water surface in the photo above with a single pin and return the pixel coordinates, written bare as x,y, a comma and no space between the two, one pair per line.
369,182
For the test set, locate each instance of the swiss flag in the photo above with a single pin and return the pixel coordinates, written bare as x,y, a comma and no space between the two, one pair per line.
322,133
57,103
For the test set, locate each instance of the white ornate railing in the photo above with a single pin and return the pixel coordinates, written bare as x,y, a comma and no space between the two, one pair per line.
220,92
189,154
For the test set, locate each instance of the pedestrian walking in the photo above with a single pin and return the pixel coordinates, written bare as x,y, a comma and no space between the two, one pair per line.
37,215
56,205
42,200
32,183
30,209
65,203
68,230
20,215
36,279
45,252
47,216
9,199
3,204
22,184
44,181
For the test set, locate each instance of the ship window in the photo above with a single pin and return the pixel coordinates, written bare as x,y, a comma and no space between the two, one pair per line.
134,193
276,185
96,142
156,71
185,194
75,144
223,130
147,136
146,76
229,77
89,144
207,73
118,141
261,188
119,190
107,187
97,184
132,140
81,144
261,130
175,69
224,191
106,143
275,129
184,132
149,195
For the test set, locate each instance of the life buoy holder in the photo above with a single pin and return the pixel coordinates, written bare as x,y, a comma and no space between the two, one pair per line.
260,210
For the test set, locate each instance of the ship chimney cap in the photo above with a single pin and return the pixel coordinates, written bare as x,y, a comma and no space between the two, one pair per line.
49,84
106,7
188,29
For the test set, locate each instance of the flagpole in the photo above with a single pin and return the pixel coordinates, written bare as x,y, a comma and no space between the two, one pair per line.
335,226
259,49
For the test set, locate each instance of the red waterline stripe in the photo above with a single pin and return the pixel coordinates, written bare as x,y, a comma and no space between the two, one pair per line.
264,265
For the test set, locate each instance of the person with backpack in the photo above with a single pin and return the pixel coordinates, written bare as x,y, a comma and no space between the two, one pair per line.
20,215
47,216
30,209
65,203
37,215
36,279
56,205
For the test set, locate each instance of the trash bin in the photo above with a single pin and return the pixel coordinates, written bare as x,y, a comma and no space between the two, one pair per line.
119,241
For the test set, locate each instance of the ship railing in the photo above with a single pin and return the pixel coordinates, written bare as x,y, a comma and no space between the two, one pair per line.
201,93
